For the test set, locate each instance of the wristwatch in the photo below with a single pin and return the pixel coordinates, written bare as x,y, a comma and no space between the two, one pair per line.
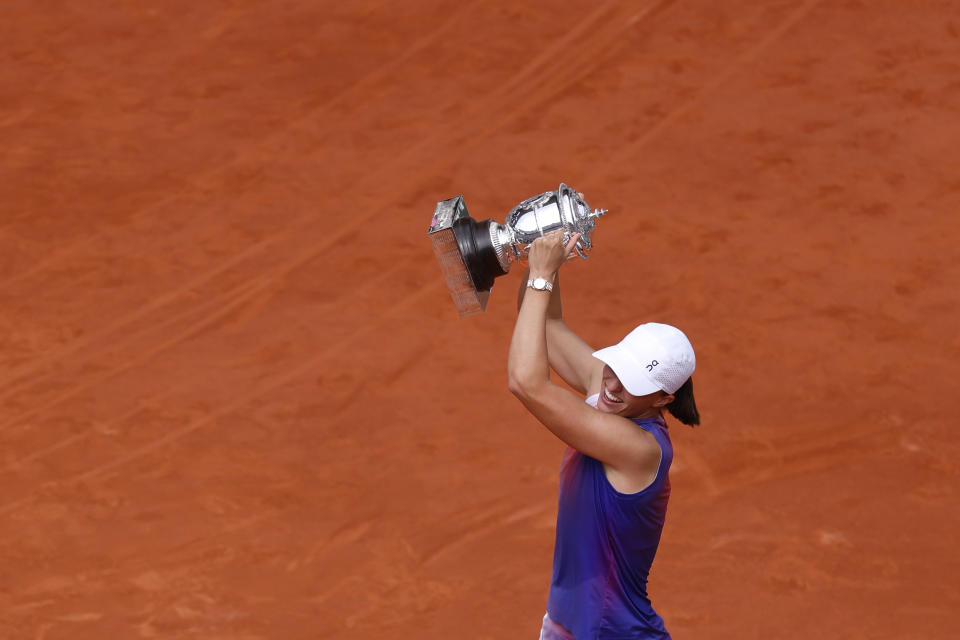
540,284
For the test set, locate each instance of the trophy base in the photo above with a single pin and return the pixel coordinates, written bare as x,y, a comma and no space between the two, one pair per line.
466,255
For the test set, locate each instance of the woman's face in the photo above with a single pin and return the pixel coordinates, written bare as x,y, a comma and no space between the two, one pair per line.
615,399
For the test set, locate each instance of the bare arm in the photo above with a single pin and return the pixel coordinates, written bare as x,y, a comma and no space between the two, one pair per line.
568,354
613,440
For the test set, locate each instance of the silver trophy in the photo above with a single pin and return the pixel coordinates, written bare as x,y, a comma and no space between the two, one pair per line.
471,254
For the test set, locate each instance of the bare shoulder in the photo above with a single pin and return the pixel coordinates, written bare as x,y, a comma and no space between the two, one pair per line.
641,471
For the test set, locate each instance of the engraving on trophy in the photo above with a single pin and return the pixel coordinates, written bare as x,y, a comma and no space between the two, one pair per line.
472,254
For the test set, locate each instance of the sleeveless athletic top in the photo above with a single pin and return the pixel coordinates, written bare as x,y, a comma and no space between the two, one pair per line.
606,541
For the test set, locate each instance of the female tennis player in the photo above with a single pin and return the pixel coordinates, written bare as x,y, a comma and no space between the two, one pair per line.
614,482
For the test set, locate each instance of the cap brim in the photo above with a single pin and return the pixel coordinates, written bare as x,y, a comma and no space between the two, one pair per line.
628,370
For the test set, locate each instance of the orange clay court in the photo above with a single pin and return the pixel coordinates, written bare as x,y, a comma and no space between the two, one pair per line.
236,401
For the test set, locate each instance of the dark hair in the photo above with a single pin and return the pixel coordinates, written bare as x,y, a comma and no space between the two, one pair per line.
684,407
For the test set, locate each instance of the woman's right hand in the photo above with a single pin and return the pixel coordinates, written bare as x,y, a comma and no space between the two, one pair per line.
548,253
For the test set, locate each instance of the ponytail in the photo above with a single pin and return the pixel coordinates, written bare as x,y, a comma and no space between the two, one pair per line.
684,407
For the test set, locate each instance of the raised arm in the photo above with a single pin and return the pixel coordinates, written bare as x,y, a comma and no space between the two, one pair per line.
612,439
569,355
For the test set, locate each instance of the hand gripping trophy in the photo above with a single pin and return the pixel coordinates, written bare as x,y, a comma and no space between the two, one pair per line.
472,254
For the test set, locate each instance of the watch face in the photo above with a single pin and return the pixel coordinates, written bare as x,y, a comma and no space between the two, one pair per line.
539,283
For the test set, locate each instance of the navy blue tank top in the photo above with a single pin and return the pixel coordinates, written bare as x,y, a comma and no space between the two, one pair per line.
606,541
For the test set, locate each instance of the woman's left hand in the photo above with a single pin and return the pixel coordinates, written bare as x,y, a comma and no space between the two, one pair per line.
548,253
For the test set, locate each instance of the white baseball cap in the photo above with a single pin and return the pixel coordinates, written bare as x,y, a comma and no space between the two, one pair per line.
653,357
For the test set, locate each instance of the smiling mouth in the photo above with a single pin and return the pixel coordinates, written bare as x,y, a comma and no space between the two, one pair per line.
610,397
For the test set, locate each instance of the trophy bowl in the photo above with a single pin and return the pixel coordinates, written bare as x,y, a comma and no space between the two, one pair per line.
472,254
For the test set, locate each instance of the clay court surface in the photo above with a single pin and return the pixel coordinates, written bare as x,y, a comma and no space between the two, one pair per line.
235,398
